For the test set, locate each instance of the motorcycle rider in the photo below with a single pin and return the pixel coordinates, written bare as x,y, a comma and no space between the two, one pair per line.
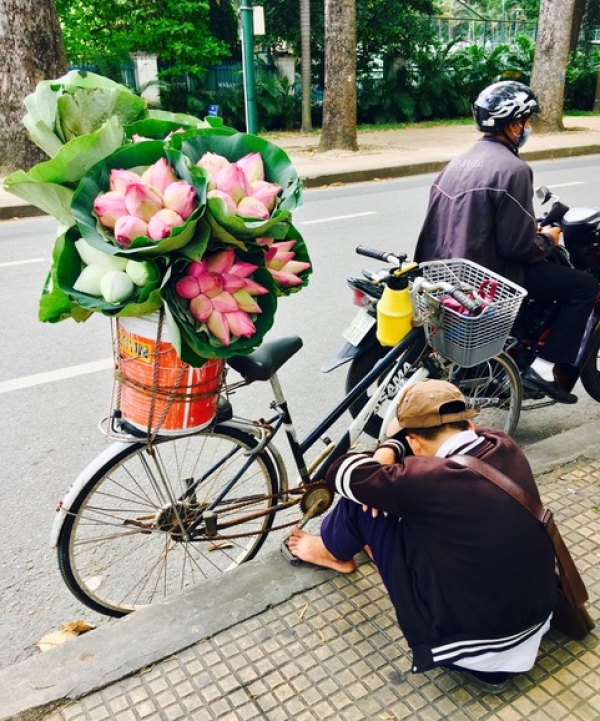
481,208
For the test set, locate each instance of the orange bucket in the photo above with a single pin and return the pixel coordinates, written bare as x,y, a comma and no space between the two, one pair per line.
181,398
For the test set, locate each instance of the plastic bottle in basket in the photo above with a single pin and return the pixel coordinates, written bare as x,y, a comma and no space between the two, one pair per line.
394,312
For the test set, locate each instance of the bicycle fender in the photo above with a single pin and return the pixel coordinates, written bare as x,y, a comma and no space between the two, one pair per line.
92,468
349,352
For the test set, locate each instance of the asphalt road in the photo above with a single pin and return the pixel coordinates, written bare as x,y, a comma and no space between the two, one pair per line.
50,422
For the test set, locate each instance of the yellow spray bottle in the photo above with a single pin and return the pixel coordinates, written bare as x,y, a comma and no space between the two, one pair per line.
394,311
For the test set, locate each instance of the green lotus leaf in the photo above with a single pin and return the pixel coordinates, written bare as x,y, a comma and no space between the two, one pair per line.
69,265
137,157
52,198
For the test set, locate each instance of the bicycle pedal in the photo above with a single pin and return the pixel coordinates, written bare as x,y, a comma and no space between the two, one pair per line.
289,556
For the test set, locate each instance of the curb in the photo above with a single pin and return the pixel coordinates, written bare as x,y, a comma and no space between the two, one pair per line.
97,659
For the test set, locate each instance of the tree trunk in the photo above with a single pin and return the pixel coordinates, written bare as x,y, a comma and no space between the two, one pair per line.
339,101
578,13
32,49
306,65
550,62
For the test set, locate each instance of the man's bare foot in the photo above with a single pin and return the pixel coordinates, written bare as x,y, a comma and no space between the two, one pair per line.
312,550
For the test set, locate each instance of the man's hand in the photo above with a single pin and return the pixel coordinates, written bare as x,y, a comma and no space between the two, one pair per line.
553,232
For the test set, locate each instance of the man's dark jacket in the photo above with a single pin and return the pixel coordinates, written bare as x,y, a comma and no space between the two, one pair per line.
481,208
473,570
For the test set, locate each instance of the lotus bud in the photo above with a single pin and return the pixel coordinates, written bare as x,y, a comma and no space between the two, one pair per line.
201,308
240,324
246,302
210,284
168,136
276,259
254,288
180,197
220,262
219,327
142,200
264,241
296,266
252,167
197,268
92,256
116,286
129,227
285,279
141,272
139,138
159,175
231,180
232,283
227,199
110,206
188,287
89,279
212,163
249,207
265,192
243,269
162,223
120,179
224,302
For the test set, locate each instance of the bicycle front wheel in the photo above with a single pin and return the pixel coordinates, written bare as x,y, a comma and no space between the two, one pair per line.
493,389
135,533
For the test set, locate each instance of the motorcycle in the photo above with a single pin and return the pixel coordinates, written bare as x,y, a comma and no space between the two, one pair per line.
580,249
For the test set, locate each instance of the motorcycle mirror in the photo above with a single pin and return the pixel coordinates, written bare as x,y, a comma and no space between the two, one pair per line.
543,193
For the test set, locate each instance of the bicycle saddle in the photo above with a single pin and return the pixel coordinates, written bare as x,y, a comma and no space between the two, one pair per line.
266,360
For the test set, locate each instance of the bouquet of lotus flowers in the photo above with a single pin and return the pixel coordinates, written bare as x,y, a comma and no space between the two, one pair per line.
162,211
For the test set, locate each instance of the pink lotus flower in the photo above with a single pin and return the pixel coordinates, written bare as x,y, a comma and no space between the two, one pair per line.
252,166
219,327
265,192
142,200
201,308
162,223
120,179
232,282
240,324
180,197
243,269
220,262
188,287
212,163
211,284
197,268
282,266
224,302
231,180
246,302
129,227
227,199
109,207
159,175
249,207
139,138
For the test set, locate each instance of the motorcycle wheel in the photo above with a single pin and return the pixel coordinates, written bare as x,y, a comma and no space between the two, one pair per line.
493,388
590,372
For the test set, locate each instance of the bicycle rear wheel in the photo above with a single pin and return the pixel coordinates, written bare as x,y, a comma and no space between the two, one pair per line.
493,388
128,541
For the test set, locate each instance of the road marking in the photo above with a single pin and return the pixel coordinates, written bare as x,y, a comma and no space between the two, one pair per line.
58,375
566,185
22,262
337,217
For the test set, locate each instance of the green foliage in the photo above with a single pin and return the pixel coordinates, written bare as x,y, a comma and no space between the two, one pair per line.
580,86
104,34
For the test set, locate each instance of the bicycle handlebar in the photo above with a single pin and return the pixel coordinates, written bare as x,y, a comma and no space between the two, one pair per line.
383,255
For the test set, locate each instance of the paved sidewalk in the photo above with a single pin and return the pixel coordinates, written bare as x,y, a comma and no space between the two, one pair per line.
274,642
391,154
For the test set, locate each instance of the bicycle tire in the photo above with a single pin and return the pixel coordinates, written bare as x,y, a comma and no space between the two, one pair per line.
121,544
590,372
493,388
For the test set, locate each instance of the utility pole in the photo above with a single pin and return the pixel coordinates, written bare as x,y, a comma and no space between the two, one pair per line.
248,65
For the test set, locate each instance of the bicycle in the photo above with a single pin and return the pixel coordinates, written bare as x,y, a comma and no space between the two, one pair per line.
147,517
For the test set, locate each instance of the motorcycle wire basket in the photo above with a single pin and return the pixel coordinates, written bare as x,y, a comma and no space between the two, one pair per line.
462,337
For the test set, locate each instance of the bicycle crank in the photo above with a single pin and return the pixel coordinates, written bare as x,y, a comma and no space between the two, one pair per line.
317,498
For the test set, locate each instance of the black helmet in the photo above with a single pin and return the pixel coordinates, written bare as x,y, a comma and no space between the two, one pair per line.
501,104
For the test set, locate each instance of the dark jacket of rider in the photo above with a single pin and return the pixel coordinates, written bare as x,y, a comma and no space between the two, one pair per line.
481,208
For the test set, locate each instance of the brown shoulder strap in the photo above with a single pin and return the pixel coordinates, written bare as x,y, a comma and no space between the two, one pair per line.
572,583
543,515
